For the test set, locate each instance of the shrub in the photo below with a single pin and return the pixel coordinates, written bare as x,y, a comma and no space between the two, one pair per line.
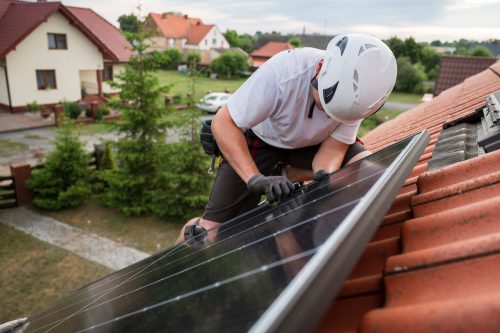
230,64
99,115
105,111
295,42
410,77
33,106
88,112
62,183
72,109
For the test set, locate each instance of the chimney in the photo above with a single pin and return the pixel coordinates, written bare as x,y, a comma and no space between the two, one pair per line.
186,17
41,0
164,16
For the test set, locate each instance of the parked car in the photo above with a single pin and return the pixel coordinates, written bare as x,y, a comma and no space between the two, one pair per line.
213,102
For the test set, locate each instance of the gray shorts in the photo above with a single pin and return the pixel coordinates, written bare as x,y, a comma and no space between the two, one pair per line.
230,197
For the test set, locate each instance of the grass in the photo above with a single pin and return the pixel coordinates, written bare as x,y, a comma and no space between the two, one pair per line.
147,234
399,97
181,84
378,118
8,148
35,274
95,128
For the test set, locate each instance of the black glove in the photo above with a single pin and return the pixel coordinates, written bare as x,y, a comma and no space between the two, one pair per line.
318,175
276,188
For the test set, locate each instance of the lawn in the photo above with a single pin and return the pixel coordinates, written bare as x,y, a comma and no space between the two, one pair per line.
95,128
373,121
400,97
148,234
35,274
181,83
8,148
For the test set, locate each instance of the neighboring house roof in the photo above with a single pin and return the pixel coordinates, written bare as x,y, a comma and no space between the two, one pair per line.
455,69
20,18
316,41
198,32
174,26
433,265
270,49
107,33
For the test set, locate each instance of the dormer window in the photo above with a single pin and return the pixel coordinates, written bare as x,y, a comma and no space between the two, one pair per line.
57,41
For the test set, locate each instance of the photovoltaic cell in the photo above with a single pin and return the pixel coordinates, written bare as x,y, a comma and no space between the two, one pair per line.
226,282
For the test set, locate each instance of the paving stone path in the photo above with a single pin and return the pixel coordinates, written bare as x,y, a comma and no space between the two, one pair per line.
87,245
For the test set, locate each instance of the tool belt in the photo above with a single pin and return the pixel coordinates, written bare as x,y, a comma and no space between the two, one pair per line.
209,144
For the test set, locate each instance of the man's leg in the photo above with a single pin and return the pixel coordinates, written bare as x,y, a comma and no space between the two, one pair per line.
229,196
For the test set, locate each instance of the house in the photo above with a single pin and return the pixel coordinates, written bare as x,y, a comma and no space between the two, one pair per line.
185,33
264,53
50,52
455,69
433,265
316,41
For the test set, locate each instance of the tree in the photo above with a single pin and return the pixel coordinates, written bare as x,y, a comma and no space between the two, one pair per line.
230,64
295,42
410,78
430,60
129,23
397,46
62,182
436,43
412,50
193,58
480,51
141,149
232,38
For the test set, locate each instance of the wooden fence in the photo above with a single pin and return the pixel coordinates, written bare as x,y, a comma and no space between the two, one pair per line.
8,198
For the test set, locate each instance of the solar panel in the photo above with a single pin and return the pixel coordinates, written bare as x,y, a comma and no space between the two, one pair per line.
276,268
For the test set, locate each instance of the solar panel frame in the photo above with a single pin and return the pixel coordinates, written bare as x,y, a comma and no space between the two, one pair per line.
304,302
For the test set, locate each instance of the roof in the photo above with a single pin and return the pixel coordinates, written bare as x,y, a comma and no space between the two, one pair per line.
270,49
20,18
316,41
433,265
107,33
455,69
198,32
174,26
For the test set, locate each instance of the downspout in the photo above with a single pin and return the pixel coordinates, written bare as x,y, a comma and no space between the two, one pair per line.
8,87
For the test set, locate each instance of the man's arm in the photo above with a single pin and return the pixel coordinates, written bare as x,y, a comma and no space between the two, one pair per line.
329,156
232,144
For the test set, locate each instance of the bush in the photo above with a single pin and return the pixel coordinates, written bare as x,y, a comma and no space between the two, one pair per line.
184,185
33,106
410,77
99,115
230,64
88,112
63,182
72,109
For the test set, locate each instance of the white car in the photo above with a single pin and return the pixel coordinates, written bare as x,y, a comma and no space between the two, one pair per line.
213,102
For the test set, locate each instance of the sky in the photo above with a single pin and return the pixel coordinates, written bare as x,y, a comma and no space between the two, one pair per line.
425,20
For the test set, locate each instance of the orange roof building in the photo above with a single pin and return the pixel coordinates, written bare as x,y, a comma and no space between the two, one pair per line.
433,265
264,53
183,32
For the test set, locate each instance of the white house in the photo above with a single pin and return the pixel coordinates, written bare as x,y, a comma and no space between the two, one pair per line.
50,52
185,33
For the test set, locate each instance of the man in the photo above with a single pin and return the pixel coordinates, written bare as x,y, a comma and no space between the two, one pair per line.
302,108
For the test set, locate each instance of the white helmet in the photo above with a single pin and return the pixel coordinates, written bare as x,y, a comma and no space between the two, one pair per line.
357,76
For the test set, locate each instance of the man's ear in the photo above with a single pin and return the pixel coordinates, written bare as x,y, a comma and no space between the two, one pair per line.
318,67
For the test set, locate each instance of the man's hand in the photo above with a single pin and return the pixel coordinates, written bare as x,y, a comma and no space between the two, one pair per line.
319,175
276,188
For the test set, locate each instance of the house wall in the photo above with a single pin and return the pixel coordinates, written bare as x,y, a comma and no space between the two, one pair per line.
207,42
4,95
106,88
33,53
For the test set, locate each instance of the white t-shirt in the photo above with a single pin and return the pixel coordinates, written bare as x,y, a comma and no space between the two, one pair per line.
275,102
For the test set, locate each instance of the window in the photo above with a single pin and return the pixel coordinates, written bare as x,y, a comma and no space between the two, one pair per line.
214,41
57,41
108,72
46,79
206,41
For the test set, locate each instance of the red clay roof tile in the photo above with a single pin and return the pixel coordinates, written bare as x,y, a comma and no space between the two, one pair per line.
449,227
270,49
